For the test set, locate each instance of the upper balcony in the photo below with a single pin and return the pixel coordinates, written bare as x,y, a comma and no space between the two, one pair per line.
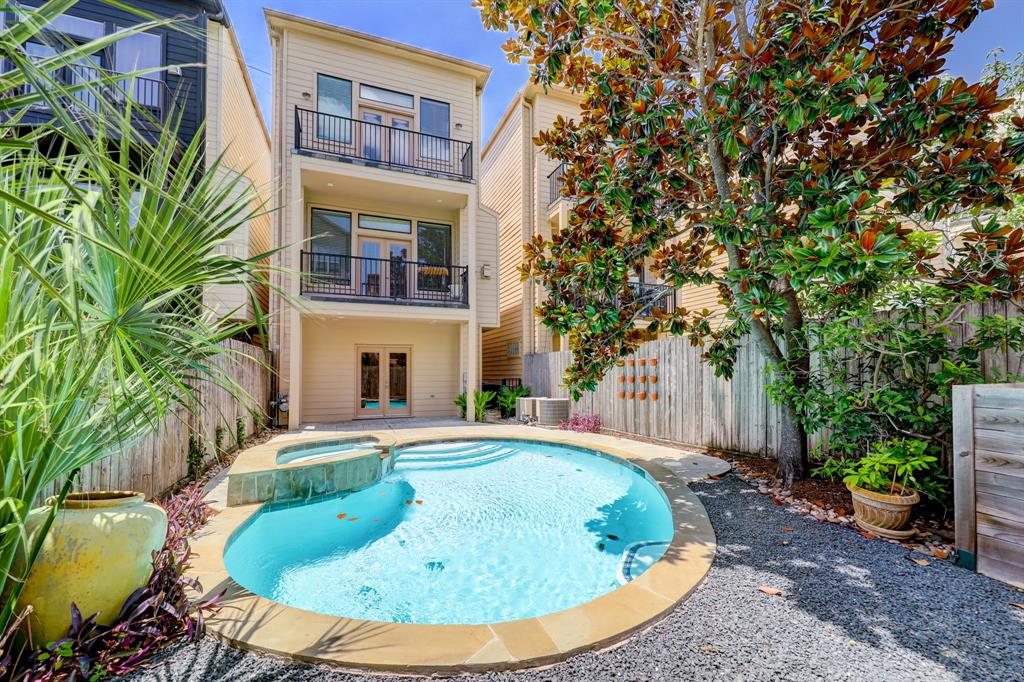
556,183
373,144
394,280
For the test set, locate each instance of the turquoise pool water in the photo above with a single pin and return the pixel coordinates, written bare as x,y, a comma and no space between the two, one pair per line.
468,532
313,451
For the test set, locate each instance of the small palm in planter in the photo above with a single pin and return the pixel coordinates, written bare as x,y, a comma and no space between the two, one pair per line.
885,487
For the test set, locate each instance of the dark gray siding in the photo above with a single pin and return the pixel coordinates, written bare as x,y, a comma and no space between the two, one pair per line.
180,47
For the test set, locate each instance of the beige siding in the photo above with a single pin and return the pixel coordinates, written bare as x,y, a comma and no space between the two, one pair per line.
329,365
236,132
487,257
502,179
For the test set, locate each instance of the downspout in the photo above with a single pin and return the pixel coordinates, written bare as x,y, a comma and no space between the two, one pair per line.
529,330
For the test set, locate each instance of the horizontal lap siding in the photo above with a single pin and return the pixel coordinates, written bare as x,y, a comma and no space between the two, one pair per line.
329,365
501,189
310,54
998,449
487,255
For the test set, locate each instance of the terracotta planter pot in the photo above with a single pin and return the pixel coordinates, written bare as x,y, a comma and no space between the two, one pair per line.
621,394
653,361
654,396
643,378
98,551
630,395
630,378
641,362
882,513
622,378
654,379
642,395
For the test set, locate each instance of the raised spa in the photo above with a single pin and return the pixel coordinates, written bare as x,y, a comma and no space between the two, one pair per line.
463,532
308,452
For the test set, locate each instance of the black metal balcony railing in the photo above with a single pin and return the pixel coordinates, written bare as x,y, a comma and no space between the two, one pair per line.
659,297
149,94
382,145
556,181
383,280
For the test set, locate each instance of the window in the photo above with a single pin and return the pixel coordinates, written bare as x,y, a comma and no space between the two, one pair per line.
77,27
512,349
333,100
434,243
137,53
375,94
376,222
433,247
434,121
331,233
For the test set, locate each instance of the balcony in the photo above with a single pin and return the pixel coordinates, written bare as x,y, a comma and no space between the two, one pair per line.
660,297
556,182
373,144
148,95
383,280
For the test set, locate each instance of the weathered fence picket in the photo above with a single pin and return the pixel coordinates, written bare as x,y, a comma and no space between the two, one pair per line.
154,464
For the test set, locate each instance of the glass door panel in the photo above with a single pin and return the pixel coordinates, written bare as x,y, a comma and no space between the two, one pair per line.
371,273
373,128
398,383
400,141
371,401
398,282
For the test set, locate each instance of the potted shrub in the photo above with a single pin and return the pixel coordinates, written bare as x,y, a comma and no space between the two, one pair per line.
885,486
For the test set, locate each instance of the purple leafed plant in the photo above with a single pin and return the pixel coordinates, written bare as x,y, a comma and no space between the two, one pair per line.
153,616
582,423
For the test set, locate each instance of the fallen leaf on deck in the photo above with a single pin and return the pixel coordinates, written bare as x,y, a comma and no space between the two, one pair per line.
771,591
788,530
777,501
1019,606
869,535
940,553
841,511
708,649
921,562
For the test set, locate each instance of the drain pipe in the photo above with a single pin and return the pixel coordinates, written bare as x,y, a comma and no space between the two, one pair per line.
530,295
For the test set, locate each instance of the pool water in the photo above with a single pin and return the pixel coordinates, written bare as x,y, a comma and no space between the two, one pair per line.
314,451
469,532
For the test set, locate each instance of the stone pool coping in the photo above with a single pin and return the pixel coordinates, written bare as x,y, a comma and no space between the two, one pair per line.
256,623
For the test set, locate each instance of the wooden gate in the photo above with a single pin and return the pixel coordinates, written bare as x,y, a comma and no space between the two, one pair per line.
988,478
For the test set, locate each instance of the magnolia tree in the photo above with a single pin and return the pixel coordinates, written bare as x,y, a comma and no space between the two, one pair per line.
788,153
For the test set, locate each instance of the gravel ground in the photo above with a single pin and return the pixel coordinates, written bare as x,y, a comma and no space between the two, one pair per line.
851,609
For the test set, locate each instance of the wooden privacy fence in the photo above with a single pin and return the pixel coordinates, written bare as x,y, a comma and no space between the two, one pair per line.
988,478
157,462
688,404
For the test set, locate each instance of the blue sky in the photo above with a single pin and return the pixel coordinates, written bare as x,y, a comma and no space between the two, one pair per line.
453,27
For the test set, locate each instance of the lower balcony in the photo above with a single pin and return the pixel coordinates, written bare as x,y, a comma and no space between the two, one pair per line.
327,276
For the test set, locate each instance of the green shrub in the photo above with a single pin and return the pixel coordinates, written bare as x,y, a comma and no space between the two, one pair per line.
481,399
196,456
889,465
239,433
218,441
460,401
507,399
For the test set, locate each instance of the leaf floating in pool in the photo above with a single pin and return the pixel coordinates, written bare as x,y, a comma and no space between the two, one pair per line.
354,518
376,520
341,516
612,536
436,566
600,546
419,501
408,501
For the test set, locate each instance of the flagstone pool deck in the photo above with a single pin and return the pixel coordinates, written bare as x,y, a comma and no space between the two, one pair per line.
252,622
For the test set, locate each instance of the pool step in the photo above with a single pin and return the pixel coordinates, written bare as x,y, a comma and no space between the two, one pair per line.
442,448
456,460
451,455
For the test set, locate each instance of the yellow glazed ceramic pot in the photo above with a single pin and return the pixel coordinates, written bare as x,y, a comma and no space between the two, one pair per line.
99,550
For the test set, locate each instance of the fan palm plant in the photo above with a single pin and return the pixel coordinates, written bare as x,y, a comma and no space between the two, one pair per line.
107,242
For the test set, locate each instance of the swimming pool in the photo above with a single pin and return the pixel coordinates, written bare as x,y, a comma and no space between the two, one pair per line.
307,452
465,532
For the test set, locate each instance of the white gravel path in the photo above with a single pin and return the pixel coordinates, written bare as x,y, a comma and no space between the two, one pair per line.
851,609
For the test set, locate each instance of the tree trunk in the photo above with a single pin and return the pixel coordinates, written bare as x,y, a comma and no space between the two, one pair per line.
792,453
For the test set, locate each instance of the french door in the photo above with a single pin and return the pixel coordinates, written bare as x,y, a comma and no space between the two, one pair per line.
387,137
379,273
382,381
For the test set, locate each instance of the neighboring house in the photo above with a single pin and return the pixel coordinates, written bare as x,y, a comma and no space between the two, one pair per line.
387,255
524,187
220,94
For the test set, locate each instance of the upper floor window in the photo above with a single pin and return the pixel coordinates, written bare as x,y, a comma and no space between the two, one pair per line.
141,52
434,121
377,222
434,243
334,99
331,231
384,96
